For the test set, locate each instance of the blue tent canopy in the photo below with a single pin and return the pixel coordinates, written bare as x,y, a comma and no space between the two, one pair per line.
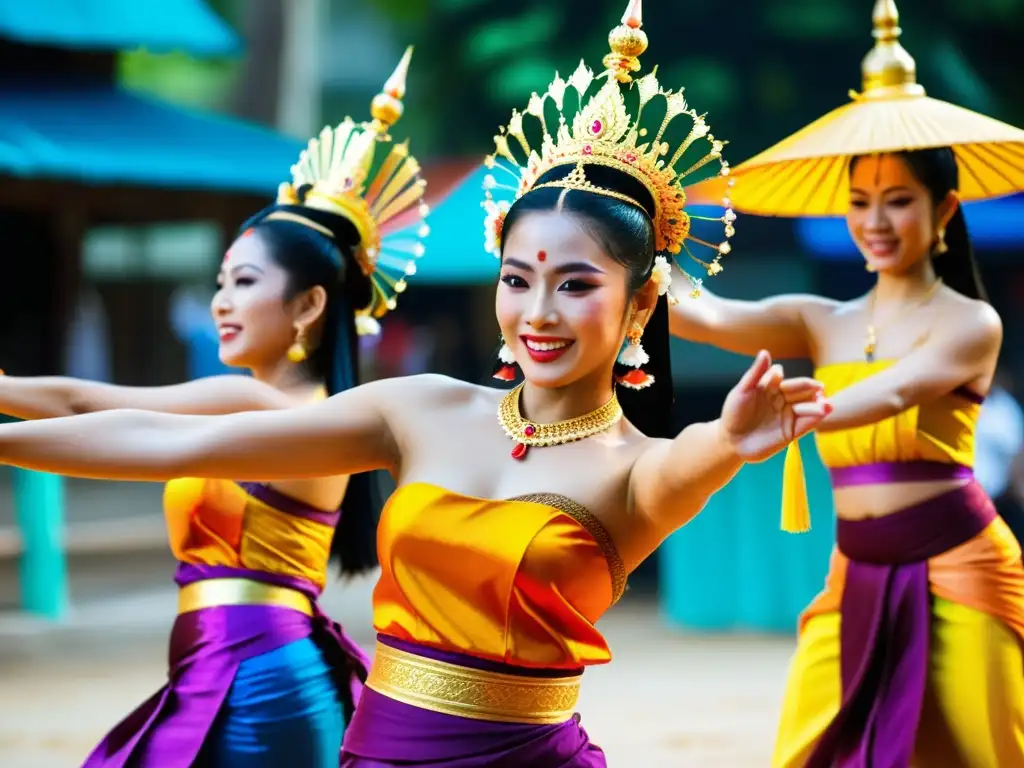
455,252
166,25
97,133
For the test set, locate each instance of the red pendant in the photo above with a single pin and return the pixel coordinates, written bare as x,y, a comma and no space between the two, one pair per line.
519,452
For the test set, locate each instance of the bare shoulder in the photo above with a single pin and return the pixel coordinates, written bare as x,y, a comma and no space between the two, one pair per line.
431,392
842,310
969,319
818,312
820,307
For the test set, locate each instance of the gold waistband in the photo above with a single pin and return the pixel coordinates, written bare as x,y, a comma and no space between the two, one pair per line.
474,693
209,593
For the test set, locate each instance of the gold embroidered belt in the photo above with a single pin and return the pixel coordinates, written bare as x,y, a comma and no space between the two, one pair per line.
478,694
210,593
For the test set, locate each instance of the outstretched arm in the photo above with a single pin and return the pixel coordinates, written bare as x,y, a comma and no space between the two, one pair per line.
673,480
783,325
955,354
46,397
347,433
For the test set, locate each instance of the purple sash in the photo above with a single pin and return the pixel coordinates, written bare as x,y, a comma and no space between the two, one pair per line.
898,472
206,648
385,732
886,618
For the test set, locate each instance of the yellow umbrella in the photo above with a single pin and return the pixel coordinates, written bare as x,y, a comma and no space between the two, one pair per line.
807,173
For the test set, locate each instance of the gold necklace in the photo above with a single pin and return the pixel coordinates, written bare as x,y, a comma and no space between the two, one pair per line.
871,337
529,433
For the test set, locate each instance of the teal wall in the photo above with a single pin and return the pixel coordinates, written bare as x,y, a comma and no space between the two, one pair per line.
733,569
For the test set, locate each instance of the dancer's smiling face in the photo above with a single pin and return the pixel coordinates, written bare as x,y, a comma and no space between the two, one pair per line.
892,217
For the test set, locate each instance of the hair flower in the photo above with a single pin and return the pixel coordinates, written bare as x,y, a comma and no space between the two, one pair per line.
661,274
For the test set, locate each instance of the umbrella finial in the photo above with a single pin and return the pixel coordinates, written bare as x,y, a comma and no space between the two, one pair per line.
888,69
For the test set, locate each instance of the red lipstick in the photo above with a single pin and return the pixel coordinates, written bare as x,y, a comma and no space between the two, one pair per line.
545,349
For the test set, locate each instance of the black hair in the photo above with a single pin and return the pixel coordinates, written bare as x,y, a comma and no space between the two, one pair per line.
937,171
311,259
625,232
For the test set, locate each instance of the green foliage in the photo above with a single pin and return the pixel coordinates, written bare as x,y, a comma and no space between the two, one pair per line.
813,19
514,83
178,77
711,85
759,68
508,38
459,5
404,10
992,11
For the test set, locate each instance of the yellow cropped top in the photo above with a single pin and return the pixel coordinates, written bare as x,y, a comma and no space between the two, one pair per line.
520,581
221,525
929,441
939,431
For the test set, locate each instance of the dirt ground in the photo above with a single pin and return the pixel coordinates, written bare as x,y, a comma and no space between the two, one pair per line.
667,699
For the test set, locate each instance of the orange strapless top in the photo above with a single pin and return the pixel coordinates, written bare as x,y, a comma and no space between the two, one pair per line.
249,526
521,581
939,431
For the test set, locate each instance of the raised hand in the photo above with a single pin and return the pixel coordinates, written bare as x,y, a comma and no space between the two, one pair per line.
765,411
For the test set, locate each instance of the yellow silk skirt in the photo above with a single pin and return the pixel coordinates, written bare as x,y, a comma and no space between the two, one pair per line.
973,715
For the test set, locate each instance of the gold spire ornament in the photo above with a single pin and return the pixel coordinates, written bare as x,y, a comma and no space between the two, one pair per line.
632,125
528,433
807,174
348,173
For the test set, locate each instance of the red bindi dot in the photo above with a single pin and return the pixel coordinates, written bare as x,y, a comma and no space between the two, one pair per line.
542,255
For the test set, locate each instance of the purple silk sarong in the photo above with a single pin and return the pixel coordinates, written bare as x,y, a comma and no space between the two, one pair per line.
206,648
885,626
386,733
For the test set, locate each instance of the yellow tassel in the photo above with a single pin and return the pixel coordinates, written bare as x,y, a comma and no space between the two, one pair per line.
796,512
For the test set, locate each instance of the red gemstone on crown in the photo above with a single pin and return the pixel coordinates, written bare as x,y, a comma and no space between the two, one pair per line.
519,452
596,126
529,430
587,149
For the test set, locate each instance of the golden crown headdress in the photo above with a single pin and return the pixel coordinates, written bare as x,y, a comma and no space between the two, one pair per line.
601,131
339,169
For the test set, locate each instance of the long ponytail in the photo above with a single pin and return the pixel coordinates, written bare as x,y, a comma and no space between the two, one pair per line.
313,259
957,266
649,409
354,545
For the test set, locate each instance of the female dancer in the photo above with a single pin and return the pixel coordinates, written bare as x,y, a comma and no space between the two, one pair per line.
913,650
259,677
495,567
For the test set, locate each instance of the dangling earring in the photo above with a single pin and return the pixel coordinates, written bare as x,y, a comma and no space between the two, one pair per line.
870,267
940,242
297,352
634,356
507,370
